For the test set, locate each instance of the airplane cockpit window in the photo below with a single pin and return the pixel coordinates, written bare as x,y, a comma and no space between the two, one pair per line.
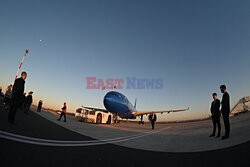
92,112
113,94
126,100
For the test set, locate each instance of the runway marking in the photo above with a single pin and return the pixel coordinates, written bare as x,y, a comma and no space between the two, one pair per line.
63,143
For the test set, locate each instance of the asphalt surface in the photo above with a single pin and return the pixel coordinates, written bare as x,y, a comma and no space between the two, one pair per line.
20,154
166,137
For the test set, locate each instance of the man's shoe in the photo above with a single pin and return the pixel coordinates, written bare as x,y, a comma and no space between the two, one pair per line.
224,137
212,135
218,135
64,120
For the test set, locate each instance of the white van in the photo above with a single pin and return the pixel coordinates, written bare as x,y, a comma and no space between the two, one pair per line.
94,116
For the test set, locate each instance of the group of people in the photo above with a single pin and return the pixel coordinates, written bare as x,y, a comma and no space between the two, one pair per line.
216,113
7,96
15,98
26,100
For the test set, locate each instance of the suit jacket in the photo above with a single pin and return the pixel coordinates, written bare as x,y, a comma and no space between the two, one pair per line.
29,99
215,107
225,103
152,117
18,89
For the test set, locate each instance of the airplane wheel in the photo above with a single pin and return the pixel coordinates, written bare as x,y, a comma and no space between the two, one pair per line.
141,122
99,118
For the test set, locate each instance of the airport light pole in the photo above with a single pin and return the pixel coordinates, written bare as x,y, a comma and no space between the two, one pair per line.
26,52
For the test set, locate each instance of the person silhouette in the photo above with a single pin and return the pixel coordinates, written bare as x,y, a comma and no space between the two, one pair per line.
152,118
63,113
17,97
225,110
215,111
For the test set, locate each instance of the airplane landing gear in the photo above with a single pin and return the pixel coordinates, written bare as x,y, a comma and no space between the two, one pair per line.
141,122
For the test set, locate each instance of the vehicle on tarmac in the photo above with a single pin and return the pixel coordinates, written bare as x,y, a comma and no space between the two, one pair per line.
94,116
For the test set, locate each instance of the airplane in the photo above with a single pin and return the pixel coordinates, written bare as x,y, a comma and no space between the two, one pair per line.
119,104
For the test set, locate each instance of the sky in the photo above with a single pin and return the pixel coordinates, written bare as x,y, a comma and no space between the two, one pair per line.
194,46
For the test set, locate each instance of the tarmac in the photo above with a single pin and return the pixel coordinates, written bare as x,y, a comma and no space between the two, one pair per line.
38,139
169,137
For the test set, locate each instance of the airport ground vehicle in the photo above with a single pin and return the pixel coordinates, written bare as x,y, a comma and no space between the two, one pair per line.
94,116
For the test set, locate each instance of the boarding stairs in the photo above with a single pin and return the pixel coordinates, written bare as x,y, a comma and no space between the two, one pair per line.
241,106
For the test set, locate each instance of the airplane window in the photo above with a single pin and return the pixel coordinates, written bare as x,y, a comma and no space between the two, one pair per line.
92,113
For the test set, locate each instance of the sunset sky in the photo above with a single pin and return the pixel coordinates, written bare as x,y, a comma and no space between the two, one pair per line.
194,46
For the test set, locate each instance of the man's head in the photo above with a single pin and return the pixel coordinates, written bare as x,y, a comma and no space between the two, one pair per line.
10,86
214,95
30,93
24,75
223,88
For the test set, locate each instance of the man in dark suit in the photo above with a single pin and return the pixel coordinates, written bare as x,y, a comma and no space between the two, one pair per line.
152,118
215,111
225,110
28,102
17,97
39,106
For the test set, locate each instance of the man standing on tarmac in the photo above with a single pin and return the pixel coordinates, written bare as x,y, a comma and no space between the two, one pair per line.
29,101
39,107
17,97
215,111
152,118
63,113
225,110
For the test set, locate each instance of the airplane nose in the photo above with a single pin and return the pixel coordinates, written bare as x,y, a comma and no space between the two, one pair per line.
107,101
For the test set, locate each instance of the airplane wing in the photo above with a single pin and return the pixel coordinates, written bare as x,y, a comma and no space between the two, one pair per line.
99,109
164,111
